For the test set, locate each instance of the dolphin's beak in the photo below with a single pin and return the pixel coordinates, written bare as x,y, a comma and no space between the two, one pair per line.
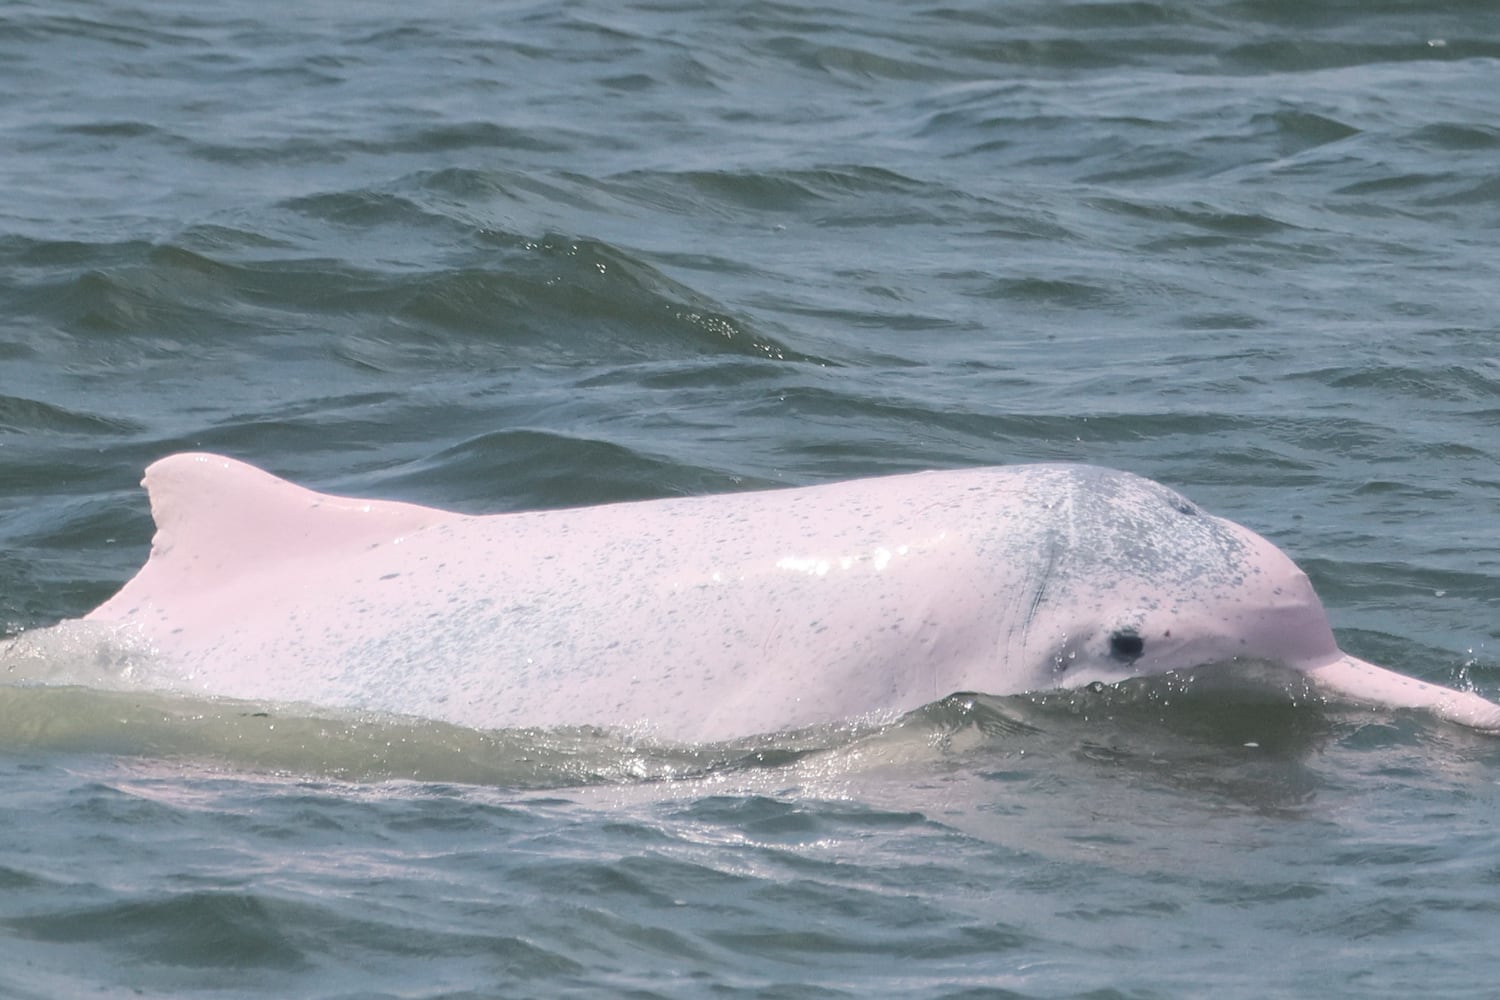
1355,680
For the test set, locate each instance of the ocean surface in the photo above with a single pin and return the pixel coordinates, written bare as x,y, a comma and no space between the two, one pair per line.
497,257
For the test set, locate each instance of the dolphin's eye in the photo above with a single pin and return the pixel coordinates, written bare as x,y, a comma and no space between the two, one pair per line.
1126,645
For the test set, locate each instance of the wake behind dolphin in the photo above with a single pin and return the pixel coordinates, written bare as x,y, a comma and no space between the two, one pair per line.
706,618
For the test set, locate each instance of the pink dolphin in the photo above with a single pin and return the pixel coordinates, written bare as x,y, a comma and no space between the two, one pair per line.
716,617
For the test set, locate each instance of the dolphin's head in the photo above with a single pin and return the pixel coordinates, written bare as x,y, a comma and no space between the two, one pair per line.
1130,578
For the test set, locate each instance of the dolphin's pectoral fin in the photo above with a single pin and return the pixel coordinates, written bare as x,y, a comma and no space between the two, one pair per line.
1357,680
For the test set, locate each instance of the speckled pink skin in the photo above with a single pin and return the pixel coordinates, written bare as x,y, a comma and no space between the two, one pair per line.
714,617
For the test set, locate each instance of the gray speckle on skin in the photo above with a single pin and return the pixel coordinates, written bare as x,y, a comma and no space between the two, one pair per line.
1095,522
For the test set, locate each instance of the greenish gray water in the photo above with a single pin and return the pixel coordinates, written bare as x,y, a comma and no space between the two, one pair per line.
542,255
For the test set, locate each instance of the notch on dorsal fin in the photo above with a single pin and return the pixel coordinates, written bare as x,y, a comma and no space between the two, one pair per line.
219,518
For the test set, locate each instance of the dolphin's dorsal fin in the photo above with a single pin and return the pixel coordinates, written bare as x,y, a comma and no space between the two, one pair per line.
219,518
